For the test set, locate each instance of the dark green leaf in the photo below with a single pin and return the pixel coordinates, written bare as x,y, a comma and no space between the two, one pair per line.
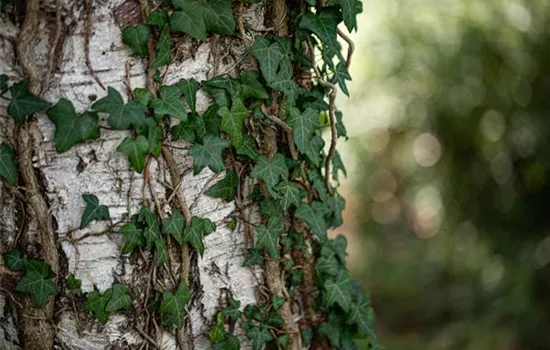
14,260
247,148
212,120
303,126
232,310
268,239
331,329
3,82
209,153
8,166
253,257
218,333
225,189
189,88
313,215
136,150
121,115
164,46
232,121
96,304
338,291
39,267
324,23
277,302
259,335
194,233
158,18
314,149
231,343
340,128
73,283
38,286
136,38
119,299
289,194
271,172
169,103
23,103
142,96
251,87
189,20
174,225
218,16
93,210
173,306
349,13
133,238
340,76
337,164
71,128
268,55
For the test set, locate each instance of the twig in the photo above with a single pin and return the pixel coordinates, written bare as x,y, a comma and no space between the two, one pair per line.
246,42
351,46
147,337
54,45
205,187
87,35
287,128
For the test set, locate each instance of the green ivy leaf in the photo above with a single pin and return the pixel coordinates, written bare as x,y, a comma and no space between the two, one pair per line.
232,311
231,343
121,116
259,335
142,96
303,127
331,329
192,130
119,300
251,87
14,260
337,165
232,121
209,154
197,17
218,333
268,239
136,150
169,103
270,171
189,88
253,257
96,304
212,120
268,55
289,194
188,20
283,82
361,314
158,18
161,252
38,285
339,245
225,189
340,128
39,267
247,148
23,103
194,233
277,302
8,167
73,283
154,138
173,306
338,291
349,13
324,24
313,215
71,128
174,225
136,38
327,265
93,210
164,46
133,238
340,76
314,149
218,16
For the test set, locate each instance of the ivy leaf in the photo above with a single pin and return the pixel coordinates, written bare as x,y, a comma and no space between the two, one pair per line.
225,189
39,267
189,88
136,38
349,13
218,16
232,311
188,20
23,103
327,265
340,76
323,23
208,154
38,286
361,314
314,149
136,150
93,210
173,306
133,238
231,343
173,225
277,301
71,128
3,82
164,45
270,171
161,252
194,233
331,329
73,283
268,55
303,127
253,257
14,260
289,194
225,83
212,120
218,333
251,87
142,96
232,121
247,148
158,18
119,299
154,138
337,165
339,245
96,304
8,167
267,239
340,128
313,215
338,291
259,335
283,82
121,115
169,103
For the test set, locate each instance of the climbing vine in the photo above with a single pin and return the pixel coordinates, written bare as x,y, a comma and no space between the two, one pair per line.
264,125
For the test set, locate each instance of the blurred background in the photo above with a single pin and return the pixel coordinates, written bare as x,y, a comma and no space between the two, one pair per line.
448,204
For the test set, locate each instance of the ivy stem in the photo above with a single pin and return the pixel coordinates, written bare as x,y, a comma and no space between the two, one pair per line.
351,46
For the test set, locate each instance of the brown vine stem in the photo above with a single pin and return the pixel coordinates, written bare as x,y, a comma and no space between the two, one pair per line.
38,332
87,36
351,46
331,113
287,128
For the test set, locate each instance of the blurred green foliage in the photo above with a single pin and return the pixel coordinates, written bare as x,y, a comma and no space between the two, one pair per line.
455,157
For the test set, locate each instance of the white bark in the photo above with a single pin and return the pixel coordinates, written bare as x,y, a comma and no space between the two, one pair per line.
95,167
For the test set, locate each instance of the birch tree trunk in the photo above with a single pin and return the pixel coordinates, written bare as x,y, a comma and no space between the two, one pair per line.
74,51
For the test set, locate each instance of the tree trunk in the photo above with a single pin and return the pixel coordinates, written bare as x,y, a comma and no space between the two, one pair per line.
58,43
